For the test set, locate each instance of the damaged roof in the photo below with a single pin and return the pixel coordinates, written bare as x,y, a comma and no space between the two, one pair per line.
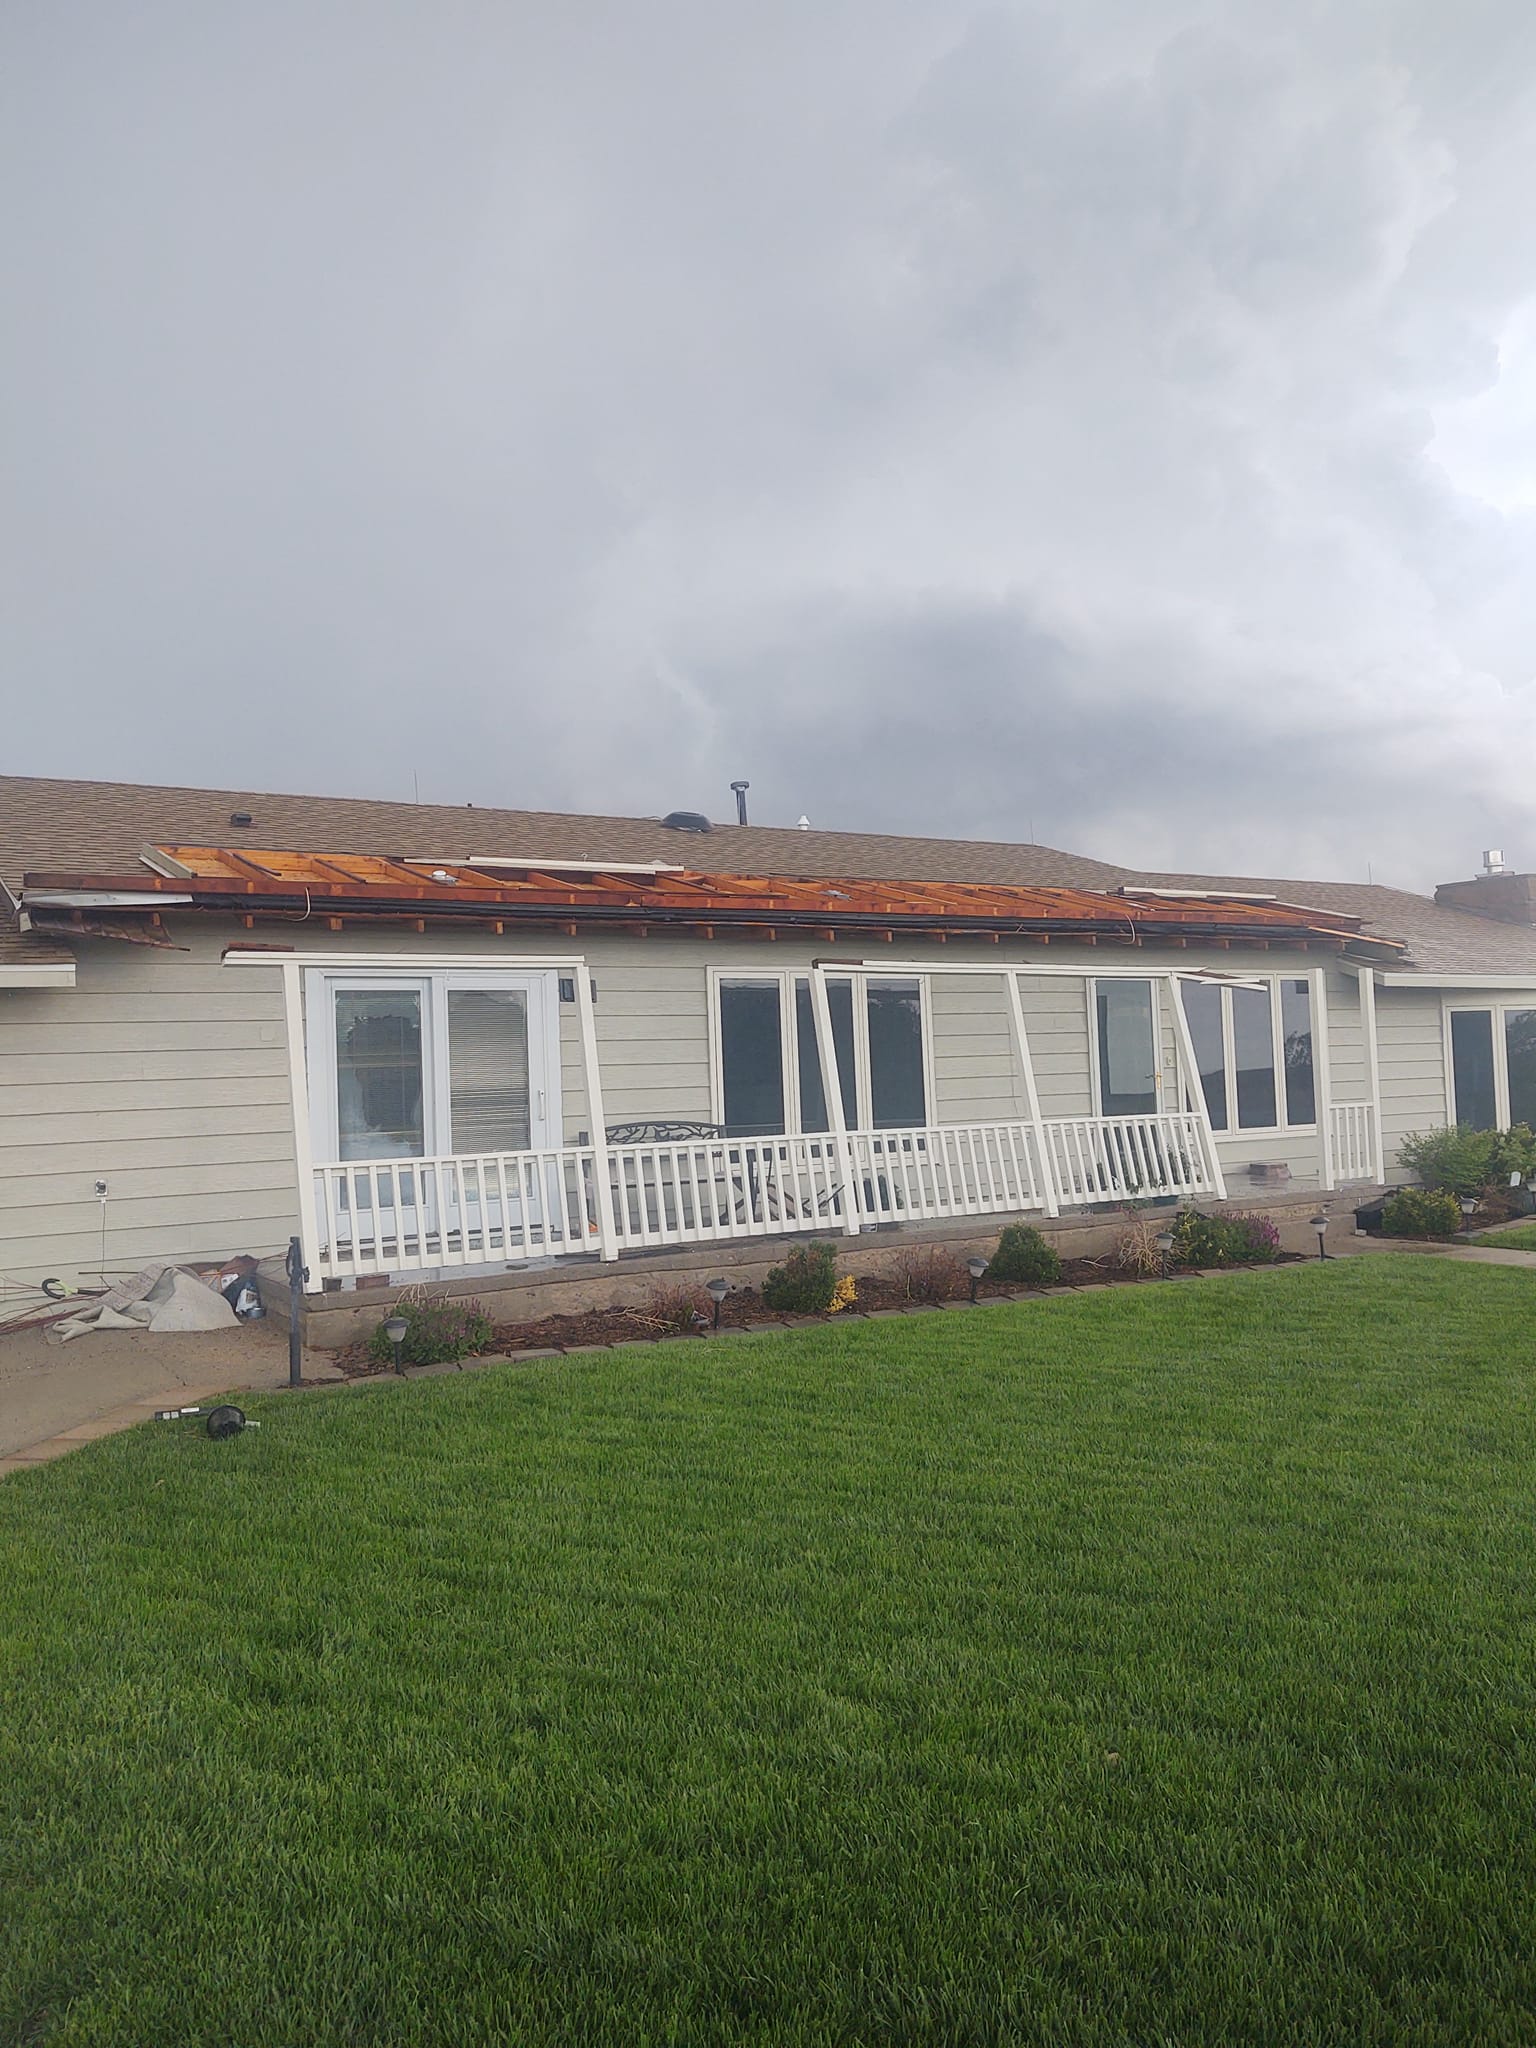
260,884
57,824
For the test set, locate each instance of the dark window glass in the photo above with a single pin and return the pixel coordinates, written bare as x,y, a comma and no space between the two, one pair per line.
1253,1054
1520,1049
897,1097
1127,1049
752,1058
813,1099
1296,1040
1202,1007
1472,1068
378,1074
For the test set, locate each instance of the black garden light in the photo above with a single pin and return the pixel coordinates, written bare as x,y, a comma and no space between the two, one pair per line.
396,1329
717,1290
1468,1210
977,1268
1320,1225
1164,1243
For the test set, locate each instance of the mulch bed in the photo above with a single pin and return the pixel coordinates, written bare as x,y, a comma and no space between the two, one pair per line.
743,1309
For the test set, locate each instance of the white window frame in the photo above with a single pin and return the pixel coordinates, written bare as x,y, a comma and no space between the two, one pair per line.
542,991
1226,984
789,1042
1499,1009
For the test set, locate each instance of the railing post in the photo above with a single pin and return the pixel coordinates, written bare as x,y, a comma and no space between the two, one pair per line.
1188,1082
298,1087
1366,979
607,1235
1031,1092
832,1090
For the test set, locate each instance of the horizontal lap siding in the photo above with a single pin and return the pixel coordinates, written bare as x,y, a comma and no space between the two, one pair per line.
166,1076
1412,1051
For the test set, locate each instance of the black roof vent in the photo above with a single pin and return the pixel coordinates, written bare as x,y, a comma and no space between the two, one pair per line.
687,821
240,818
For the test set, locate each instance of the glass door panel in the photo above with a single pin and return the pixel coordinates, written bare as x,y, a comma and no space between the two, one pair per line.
1127,1049
489,1093
379,1074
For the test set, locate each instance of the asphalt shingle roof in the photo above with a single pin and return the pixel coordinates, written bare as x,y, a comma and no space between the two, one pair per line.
49,824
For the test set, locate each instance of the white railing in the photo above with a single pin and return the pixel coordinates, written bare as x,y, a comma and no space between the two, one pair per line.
1352,1139
400,1215
405,1215
1129,1158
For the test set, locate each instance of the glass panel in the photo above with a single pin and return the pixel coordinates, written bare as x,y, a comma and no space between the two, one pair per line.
1472,1068
378,1074
488,1070
1520,1049
1253,1054
895,1014
813,1100
752,1058
1202,1006
1296,1041
1127,1049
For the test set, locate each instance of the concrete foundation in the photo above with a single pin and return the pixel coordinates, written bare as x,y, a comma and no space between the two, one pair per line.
573,1285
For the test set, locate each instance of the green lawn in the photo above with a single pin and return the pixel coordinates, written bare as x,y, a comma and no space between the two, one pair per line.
1516,1237
1153,1666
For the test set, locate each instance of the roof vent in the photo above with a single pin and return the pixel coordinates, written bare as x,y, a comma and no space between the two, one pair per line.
241,818
687,821
1493,861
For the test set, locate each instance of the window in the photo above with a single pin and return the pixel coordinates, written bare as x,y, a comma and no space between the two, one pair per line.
770,1074
1493,1066
1127,1044
1253,1047
431,1064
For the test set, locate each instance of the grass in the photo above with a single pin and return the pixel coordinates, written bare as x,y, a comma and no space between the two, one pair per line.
1153,1666
1515,1237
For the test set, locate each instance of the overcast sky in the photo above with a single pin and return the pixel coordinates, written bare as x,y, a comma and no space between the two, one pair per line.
1110,422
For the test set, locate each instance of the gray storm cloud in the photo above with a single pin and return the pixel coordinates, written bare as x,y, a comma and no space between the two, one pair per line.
1116,421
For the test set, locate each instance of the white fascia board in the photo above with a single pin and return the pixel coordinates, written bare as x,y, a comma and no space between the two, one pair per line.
1421,980
399,963
1208,895
38,974
99,899
548,867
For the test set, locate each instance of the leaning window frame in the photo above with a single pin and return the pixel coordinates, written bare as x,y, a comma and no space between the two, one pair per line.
789,1043
1498,1008
1226,983
545,1077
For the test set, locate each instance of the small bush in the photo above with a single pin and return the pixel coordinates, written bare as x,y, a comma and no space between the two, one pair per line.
1420,1212
676,1311
1024,1258
806,1282
1242,1239
1465,1162
931,1275
844,1295
435,1332
1137,1250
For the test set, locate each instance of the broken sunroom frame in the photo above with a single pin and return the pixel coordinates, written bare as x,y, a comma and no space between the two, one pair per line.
487,1210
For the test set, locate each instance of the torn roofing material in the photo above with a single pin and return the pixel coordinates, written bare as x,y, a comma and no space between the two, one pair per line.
261,883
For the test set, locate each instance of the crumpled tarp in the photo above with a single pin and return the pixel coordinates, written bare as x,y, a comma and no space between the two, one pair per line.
160,1298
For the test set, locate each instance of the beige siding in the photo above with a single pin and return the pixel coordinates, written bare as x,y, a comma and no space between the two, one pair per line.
1413,1095
167,1074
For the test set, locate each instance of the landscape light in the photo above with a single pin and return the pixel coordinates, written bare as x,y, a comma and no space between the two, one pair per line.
977,1268
1320,1225
396,1329
717,1290
1164,1243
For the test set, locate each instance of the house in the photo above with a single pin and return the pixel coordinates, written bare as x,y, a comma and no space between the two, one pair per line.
442,1041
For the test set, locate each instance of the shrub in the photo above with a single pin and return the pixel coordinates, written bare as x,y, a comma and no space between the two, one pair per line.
806,1282
1024,1257
844,1295
435,1332
1420,1212
931,1275
676,1310
1242,1239
1465,1162
1137,1250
